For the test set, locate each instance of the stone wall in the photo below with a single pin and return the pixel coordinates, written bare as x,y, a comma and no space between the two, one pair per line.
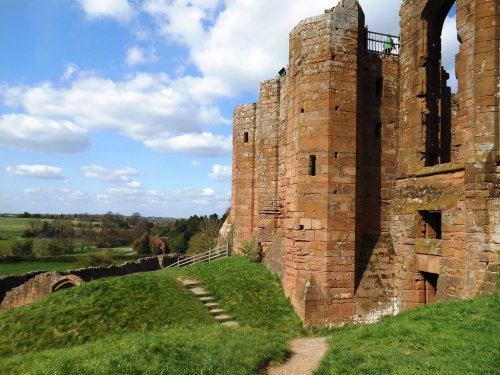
370,186
19,290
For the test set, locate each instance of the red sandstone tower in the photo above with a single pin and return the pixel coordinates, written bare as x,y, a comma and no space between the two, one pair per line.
370,187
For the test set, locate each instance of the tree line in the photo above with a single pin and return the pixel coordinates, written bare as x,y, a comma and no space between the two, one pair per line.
65,234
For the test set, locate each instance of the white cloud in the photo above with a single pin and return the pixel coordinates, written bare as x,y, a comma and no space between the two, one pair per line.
69,71
138,56
144,107
194,163
204,144
134,184
117,9
382,17
39,133
121,175
36,171
220,172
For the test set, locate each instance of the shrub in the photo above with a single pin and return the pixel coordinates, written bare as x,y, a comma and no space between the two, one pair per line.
22,248
252,249
95,260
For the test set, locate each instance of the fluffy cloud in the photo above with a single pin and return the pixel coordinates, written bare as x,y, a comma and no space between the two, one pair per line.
40,133
36,171
117,9
138,56
204,144
144,107
221,172
121,175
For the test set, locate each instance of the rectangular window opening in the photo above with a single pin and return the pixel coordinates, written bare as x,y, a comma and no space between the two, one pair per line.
245,137
430,224
312,165
379,87
430,282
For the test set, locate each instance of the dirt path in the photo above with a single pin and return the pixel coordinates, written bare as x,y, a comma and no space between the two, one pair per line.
307,356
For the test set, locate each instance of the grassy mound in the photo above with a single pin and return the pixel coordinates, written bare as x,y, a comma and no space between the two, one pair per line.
255,297
149,323
459,337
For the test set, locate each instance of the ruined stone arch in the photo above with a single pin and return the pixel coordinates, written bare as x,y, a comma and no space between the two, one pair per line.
66,282
438,98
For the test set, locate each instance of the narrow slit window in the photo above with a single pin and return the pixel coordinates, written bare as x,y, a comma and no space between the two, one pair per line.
245,137
379,87
312,165
378,131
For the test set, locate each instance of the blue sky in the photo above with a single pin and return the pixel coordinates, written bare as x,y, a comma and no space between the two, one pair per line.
126,105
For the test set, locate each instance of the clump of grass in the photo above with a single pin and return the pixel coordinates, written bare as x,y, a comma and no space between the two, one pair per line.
249,292
444,338
200,350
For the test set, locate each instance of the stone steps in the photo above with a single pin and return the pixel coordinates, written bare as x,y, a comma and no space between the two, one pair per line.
195,287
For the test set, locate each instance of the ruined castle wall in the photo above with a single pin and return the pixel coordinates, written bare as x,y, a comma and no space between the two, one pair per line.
243,199
456,194
376,170
322,120
481,169
266,165
376,189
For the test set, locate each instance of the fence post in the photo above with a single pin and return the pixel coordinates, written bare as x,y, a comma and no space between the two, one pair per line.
177,261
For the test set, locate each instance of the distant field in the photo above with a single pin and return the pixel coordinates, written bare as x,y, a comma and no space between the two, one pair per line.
12,227
23,267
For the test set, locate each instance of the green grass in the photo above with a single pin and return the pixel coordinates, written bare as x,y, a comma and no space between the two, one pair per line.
207,350
23,267
444,338
149,323
12,227
254,297
5,247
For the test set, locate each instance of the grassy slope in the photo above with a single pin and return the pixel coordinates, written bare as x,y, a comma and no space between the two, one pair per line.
157,325
444,338
248,297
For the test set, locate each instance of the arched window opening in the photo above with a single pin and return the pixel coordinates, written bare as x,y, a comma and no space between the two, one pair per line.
442,46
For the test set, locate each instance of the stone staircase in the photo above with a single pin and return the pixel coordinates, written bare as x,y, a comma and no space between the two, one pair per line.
209,301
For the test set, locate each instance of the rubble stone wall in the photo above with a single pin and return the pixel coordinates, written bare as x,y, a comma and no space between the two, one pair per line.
23,289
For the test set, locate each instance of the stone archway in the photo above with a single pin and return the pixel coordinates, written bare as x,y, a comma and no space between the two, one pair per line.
65,282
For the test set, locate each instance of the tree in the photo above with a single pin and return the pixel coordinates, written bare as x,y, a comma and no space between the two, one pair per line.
22,248
142,246
207,236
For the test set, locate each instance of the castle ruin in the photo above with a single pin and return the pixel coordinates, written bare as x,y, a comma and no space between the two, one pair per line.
370,186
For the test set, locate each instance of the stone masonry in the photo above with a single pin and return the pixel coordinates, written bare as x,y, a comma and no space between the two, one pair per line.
369,185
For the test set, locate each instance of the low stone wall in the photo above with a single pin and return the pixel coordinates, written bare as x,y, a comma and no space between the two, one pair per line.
19,290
